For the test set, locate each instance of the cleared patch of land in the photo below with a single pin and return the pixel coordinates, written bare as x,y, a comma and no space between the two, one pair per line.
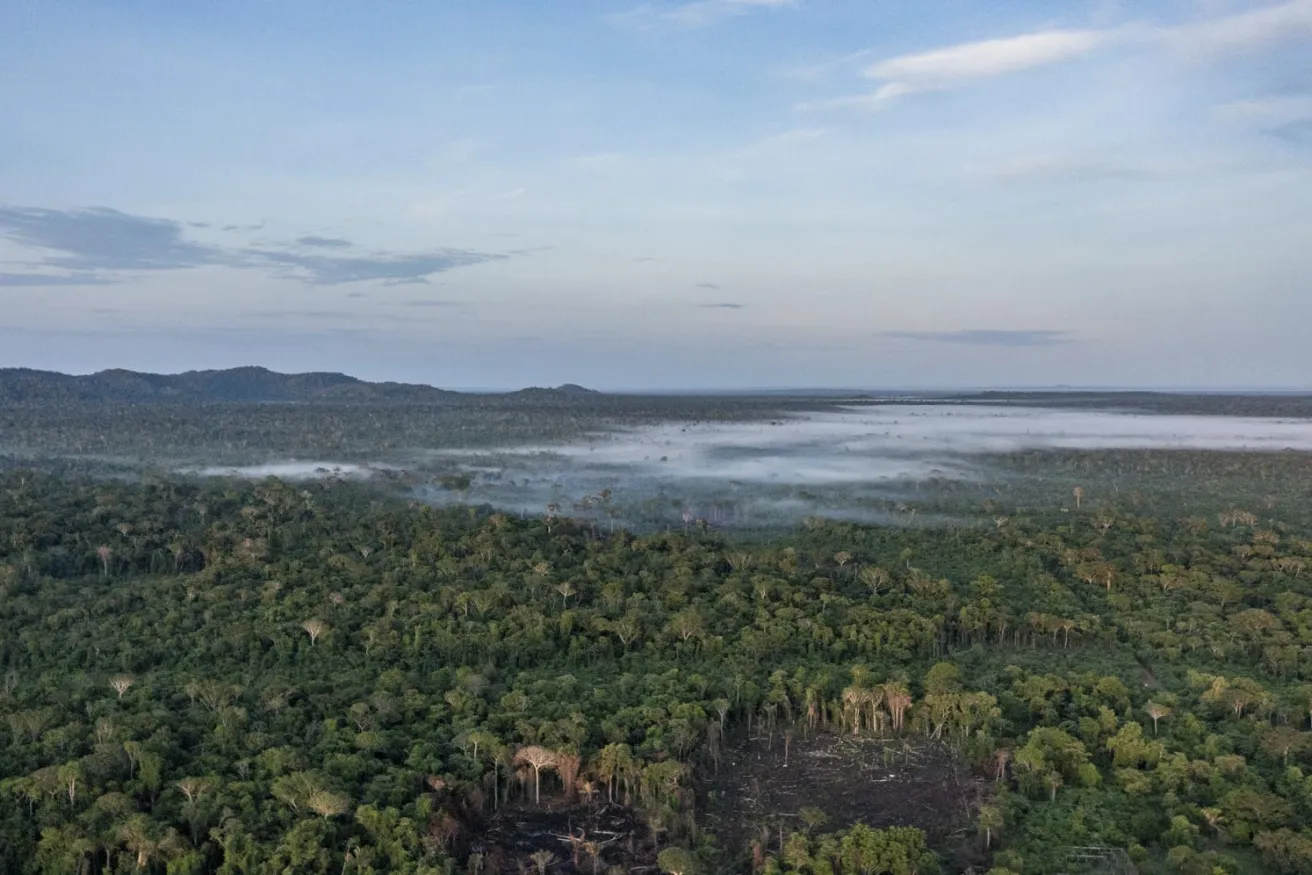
760,789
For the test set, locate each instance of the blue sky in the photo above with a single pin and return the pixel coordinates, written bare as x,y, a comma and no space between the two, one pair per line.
717,193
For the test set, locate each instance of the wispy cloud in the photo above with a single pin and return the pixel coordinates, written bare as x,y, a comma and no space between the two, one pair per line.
325,242
430,302
722,306
105,239
1069,169
707,286
1286,116
699,13
822,70
981,60
331,270
100,246
986,337
958,65
45,279
1243,32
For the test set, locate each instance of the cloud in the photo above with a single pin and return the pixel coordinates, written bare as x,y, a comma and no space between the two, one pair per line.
965,63
696,14
980,60
985,337
724,306
331,270
1266,111
1069,169
1244,32
821,70
707,286
46,279
96,246
103,239
310,314
1287,117
429,302
324,242
953,66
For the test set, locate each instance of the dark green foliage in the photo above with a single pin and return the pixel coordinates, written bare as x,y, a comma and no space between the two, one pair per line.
227,677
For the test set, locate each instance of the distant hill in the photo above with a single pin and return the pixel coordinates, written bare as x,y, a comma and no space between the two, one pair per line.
247,385
569,390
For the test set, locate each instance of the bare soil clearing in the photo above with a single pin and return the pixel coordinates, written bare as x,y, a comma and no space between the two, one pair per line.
880,782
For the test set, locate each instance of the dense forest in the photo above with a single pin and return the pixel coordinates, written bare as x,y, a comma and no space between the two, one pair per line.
223,676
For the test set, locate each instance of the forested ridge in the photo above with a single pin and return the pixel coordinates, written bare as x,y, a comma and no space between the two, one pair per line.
228,677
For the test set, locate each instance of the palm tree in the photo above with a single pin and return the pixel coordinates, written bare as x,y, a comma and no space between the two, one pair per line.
990,819
143,838
898,699
1157,712
854,699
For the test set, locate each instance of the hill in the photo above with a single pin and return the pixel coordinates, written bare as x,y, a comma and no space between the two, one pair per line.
247,385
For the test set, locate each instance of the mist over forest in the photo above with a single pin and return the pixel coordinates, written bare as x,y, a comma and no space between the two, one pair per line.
249,627
850,461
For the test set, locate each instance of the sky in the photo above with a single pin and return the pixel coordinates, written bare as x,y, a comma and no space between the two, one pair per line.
662,195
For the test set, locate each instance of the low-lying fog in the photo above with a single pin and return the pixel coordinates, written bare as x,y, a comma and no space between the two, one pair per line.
835,462
294,470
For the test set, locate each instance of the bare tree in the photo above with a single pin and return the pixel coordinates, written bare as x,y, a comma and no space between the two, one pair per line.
314,628
567,766
542,860
1078,492
898,699
193,788
538,758
854,699
104,553
327,804
121,684
875,578
1001,757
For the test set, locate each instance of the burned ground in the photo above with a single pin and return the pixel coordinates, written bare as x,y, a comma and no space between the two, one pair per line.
757,791
582,839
